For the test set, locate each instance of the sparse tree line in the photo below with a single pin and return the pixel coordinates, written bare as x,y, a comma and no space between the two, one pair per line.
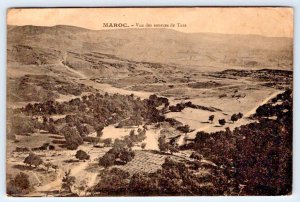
222,122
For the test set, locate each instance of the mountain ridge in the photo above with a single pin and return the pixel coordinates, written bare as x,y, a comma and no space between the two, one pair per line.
159,45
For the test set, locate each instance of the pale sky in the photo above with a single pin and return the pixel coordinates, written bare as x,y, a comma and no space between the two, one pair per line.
267,21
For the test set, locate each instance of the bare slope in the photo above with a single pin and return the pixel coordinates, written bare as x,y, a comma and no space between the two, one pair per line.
49,45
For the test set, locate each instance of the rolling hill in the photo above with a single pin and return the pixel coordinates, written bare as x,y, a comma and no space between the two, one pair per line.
207,51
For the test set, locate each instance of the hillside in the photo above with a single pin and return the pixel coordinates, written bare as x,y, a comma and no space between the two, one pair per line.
50,45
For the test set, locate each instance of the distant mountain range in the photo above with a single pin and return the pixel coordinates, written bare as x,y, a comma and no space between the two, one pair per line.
78,46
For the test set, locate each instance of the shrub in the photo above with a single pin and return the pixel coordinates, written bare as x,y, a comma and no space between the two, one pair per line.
234,118
33,159
67,182
73,139
211,118
19,185
107,160
222,122
82,155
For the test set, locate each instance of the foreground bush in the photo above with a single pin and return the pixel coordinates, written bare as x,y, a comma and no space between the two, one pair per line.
19,185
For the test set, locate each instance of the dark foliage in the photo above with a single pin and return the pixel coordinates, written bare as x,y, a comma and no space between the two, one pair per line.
112,182
33,159
222,122
19,185
82,155
72,136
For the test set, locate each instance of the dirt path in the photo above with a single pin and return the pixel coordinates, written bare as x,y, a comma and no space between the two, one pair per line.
56,184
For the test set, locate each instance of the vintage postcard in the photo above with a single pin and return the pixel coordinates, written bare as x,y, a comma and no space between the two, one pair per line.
191,101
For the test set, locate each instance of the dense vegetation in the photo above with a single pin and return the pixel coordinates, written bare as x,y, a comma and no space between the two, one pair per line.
257,155
254,159
99,111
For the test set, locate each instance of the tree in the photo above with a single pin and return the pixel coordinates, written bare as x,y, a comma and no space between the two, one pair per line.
240,115
234,117
33,159
82,155
99,130
67,182
162,143
127,156
72,136
143,145
222,122
20,184
107,160
211,118
84,129
132,133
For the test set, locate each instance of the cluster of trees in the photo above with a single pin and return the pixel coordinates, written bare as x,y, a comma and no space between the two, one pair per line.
256,155
116,155
106,109
72,136
236,117
254,159
113,182
165,146
121,151
222,122
174,178
99,112
275,109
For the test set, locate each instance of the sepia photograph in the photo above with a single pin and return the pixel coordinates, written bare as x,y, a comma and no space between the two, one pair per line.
185,101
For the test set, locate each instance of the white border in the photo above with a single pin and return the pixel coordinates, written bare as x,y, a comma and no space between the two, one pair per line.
4,4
